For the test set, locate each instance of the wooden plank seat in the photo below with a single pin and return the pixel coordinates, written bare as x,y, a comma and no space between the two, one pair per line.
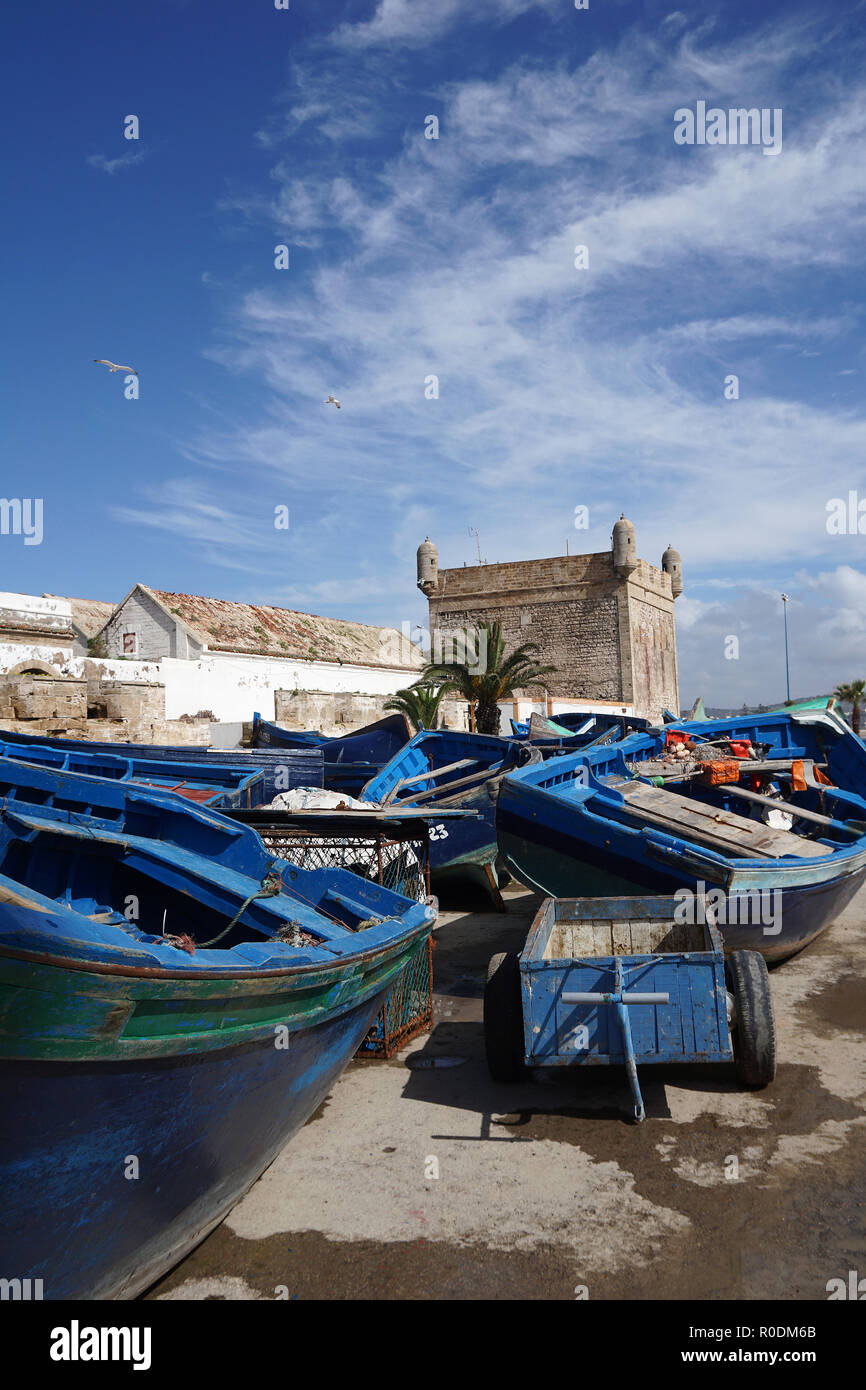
710,826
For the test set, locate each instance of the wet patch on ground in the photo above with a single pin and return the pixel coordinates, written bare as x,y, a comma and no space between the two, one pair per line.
840,1007
309,1266
738,1247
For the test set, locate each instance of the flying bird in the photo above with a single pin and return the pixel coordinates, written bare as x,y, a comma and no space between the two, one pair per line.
115,366
332,400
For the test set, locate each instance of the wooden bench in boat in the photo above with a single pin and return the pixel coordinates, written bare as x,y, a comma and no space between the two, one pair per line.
710,826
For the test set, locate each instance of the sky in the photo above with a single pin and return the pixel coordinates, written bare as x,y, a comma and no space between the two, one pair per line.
490,376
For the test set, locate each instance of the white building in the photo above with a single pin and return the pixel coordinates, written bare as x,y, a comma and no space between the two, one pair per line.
212,655
47,632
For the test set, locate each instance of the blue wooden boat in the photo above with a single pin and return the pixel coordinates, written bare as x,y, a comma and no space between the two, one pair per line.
350,760
446,769
610,820
569,732
282,769
174,1005
215,785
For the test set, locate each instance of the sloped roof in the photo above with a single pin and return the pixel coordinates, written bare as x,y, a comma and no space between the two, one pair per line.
89,615
262,630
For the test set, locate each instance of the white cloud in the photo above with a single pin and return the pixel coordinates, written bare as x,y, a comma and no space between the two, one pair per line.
111,166
561,387
827,638
413,24
755,326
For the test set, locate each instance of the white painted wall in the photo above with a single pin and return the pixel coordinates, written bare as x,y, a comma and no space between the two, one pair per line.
33,606
231,686
13,653
21,611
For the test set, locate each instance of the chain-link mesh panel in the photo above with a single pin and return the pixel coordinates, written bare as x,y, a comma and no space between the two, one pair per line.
396,864
407,1011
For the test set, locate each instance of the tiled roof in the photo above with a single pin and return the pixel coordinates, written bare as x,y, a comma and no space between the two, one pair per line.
261,630
89,614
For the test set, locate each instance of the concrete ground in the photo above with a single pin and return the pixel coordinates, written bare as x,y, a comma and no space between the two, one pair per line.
434,1182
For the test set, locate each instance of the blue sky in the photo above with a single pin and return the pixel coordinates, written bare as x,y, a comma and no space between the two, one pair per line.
558,387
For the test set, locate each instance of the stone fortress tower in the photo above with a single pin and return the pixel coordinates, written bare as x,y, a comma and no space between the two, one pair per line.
605,621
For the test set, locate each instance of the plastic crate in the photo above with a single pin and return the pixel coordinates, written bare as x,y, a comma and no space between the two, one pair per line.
723,770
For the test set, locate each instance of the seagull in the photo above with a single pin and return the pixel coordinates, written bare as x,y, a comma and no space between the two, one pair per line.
332,400
115,366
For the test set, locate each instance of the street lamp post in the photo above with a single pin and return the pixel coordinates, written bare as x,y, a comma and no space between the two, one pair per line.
787,666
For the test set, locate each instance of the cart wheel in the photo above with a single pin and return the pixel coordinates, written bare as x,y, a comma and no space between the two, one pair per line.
503,1018
754,1035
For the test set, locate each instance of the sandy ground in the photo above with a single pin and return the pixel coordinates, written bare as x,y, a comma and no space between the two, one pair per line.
435,1182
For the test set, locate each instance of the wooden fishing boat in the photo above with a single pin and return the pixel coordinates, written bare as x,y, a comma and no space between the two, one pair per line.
350,760
779,840
282,769
447,769
220,784
174,1005
570,732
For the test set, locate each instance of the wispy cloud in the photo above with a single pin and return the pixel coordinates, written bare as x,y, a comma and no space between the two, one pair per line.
230,537
410,24
112,166
559,386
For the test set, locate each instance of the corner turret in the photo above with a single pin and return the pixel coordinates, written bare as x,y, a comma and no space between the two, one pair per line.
673,565
428,567
624,548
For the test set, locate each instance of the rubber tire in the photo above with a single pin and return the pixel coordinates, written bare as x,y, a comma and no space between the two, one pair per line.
754,1034
503,1018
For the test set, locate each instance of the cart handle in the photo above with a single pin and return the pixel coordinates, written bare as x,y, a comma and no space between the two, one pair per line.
632,997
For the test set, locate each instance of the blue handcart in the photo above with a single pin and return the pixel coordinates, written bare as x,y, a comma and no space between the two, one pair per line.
628,982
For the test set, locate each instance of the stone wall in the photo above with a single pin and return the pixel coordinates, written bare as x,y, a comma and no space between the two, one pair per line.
133,702
94,710
333,713
42,697
567,605
168,731
329,711
610,638
654,658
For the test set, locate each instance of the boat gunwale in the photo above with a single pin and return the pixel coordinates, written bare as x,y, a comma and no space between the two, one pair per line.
216,972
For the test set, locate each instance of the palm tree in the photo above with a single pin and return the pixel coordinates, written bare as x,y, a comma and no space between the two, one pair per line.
500,677
420,704
853,693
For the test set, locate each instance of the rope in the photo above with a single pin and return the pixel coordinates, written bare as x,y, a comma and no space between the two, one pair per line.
268,888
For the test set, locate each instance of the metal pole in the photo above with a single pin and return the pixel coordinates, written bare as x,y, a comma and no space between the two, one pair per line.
787,665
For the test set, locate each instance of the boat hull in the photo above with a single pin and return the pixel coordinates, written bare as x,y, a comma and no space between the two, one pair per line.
796,905
464,850
111,1171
